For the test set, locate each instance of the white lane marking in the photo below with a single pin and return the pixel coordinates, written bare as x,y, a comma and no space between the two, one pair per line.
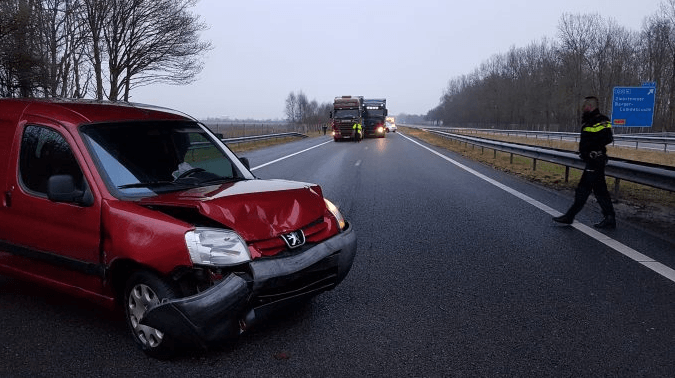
287,156
627,251
358,163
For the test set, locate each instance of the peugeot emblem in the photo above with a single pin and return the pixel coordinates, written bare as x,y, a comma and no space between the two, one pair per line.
294,239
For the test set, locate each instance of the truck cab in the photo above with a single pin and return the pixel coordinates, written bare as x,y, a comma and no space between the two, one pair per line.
347,111
375,111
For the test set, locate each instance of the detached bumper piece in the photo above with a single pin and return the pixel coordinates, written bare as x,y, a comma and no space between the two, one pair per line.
224,310
204,318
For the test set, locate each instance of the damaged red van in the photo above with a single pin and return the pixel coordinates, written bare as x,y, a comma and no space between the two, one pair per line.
145,207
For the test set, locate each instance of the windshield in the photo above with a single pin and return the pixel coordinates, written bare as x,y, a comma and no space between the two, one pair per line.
146,158
375,113
347,113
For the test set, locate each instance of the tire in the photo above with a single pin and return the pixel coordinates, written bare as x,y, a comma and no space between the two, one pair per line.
143,290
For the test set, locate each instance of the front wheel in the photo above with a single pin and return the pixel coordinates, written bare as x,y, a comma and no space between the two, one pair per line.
144,290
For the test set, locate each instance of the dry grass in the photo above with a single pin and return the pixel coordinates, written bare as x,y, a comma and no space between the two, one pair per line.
249,146
653,208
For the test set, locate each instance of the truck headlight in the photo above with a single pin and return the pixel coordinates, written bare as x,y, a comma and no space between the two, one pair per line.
336,213
216,247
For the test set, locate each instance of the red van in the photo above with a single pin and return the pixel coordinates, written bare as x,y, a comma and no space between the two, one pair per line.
145,207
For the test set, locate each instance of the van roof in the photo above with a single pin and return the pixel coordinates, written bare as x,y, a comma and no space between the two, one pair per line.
78,111
71,114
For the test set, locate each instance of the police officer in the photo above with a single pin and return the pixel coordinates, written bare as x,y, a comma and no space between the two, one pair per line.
596,133
358,131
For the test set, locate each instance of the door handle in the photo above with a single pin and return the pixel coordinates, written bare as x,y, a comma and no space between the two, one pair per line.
7,201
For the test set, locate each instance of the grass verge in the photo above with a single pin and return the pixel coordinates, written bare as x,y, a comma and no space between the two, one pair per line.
250,146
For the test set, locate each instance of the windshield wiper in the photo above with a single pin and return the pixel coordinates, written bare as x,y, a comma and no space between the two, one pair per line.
148,184
222,180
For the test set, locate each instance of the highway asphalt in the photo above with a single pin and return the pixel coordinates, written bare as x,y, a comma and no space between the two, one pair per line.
460,272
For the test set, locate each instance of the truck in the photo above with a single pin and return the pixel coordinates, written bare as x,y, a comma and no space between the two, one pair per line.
375,111
347,110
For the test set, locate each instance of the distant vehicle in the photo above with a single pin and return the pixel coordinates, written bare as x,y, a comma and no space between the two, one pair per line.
347,110
375,110
390,127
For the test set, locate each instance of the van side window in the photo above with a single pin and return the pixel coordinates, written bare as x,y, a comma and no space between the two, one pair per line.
44,153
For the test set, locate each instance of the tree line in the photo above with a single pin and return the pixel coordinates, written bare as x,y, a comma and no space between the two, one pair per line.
96,48
299,110
540,86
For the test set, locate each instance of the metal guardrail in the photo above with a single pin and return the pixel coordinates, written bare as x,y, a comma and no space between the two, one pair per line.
657,176
665,140
262,137
254,138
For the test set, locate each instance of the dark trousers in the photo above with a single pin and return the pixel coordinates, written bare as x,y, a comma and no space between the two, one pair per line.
592,180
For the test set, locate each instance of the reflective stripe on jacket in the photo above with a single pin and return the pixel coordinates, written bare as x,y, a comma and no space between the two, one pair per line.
598,127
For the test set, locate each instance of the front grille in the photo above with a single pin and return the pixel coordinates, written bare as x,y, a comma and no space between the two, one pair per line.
275,247
346,128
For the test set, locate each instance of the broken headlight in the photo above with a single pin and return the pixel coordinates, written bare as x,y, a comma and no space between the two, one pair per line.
336,213
216,247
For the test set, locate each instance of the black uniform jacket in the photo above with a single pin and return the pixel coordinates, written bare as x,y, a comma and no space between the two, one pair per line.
596,133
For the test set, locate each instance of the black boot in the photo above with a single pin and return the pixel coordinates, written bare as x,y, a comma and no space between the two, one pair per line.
565,218
609,221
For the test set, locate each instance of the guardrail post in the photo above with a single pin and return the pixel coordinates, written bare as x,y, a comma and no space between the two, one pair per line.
616,187
511,158
534,164
567,174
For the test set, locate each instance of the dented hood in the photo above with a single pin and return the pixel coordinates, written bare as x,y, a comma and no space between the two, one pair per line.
256,209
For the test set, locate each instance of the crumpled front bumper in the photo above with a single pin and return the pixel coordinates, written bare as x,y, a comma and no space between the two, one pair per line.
217,313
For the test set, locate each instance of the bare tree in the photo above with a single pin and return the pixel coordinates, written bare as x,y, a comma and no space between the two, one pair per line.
57,47
300,110
301,107
21,53
541,85
64,38
94,16
291,106
152,41
667,13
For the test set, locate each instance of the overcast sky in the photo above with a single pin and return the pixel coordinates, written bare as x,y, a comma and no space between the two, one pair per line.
405,51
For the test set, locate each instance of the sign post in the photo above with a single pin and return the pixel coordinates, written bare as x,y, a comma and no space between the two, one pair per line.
633,106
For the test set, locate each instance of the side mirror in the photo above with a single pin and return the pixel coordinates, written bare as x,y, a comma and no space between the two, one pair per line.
61,188
246,163
330,114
